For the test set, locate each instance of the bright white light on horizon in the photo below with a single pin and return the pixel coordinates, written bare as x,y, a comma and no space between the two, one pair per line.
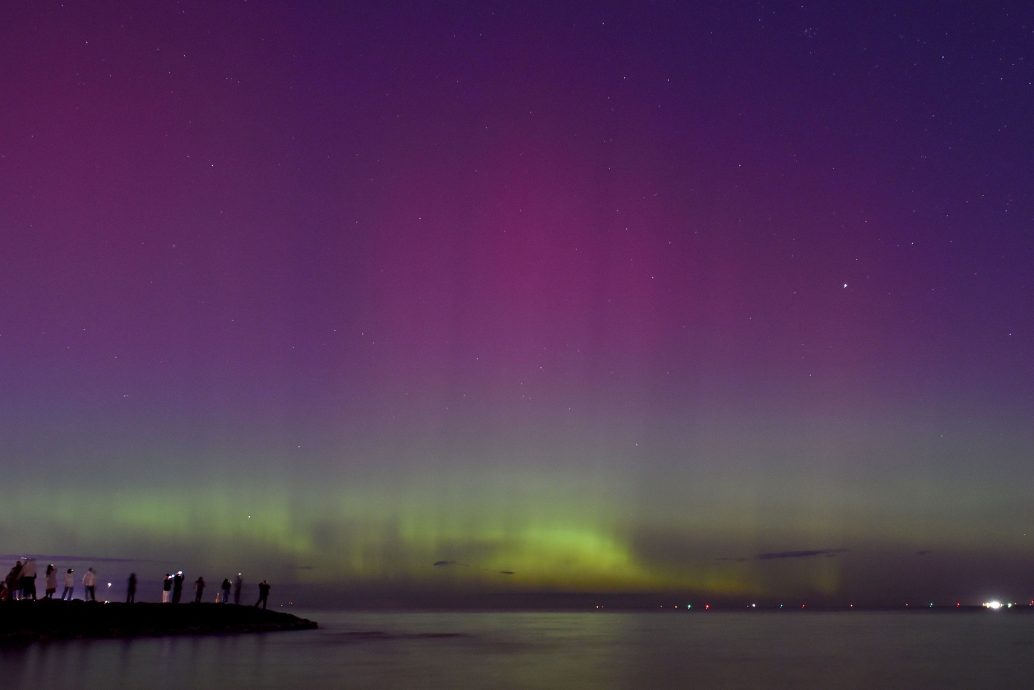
994,605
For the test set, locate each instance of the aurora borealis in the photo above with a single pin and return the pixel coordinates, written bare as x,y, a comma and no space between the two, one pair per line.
731,301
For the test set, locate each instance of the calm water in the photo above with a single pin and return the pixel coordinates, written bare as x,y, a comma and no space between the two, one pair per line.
559,650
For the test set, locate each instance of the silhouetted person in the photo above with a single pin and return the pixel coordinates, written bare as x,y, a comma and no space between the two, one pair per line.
238,585
51,582
14,581
263,593
90,585
199,589
167,588
177,587
131,589
29,579
226,590
66,593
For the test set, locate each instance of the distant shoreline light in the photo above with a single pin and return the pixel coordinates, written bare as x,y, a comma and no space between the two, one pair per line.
993,605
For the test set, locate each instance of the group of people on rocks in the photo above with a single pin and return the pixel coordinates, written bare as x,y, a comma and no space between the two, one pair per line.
20,584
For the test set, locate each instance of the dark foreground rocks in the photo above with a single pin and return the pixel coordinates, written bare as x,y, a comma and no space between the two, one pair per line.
28,621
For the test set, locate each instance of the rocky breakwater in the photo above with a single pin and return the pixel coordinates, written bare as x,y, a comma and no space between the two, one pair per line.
29,621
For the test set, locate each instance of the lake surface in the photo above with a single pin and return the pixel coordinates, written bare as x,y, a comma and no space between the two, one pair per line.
559,650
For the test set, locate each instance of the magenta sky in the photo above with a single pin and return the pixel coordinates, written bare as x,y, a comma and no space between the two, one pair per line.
615,297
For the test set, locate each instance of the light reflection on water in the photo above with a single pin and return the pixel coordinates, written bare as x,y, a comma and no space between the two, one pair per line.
556,650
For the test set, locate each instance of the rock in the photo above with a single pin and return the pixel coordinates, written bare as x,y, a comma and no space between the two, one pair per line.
27,621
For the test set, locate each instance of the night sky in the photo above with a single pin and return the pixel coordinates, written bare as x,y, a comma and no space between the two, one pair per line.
731,300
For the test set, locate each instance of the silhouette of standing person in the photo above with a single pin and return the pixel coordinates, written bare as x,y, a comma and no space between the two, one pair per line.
51,582
263,594
199,589
226,590
90,585
177,587
66,593
167,588
238,585
131,589
14,581
29,579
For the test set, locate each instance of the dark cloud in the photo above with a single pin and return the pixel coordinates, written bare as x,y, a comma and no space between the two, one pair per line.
444,564
506,572
804,553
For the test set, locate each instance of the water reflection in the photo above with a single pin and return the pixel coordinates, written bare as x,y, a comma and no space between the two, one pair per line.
552,650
